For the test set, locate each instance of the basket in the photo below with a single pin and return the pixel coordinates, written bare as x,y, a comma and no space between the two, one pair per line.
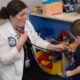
48,63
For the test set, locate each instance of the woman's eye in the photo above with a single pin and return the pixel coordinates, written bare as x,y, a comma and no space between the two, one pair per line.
23,14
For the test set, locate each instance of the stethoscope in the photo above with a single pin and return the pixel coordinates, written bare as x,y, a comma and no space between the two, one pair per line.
21,30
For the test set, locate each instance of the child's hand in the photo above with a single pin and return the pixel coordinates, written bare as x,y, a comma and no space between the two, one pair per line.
68,73
73,72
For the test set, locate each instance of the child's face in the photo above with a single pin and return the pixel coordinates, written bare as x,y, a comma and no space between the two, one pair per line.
76,38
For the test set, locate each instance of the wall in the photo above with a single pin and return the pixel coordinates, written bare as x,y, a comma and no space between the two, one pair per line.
30,3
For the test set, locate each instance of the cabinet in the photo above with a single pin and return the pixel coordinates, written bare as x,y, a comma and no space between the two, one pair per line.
55,22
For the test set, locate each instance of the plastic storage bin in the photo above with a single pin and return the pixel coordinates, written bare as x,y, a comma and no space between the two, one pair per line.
52,7
48,63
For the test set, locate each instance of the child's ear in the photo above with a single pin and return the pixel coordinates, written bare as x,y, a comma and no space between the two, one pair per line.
78,37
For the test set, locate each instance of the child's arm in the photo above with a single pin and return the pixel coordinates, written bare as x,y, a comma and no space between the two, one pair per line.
73,72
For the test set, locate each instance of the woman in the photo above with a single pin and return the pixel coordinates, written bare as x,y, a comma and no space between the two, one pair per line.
12,41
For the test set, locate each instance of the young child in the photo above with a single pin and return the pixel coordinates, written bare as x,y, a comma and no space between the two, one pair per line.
73,71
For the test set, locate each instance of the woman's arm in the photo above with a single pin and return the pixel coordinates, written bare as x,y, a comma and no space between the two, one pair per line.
36,40
58,47
9,54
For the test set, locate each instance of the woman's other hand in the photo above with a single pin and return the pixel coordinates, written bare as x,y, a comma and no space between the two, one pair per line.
22,39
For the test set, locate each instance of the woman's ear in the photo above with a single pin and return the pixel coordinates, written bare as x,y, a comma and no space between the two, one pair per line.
10,17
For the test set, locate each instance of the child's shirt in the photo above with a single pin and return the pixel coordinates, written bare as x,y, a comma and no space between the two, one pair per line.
76,57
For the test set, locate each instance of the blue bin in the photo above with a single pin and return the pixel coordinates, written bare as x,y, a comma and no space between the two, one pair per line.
46,33
50,1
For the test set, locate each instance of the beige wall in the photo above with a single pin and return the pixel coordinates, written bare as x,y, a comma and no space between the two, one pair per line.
30,3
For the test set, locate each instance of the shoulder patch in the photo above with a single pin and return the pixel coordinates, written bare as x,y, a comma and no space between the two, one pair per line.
12,41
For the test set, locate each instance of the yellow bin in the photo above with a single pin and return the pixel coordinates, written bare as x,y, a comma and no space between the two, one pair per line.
57,66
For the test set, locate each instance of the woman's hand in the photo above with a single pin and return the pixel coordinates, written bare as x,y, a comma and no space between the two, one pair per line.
59,47
21,41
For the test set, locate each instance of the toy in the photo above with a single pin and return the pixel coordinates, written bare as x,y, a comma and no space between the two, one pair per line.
37,9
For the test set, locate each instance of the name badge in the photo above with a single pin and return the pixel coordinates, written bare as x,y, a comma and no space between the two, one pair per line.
12,41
